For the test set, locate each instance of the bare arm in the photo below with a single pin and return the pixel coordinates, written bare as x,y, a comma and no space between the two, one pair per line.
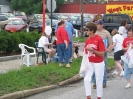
65,41
48,44
113,45
125,49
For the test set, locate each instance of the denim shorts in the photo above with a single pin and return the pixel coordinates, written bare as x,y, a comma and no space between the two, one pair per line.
127,71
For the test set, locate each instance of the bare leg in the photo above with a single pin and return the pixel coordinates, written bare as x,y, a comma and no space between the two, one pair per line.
118,64
51,52
73,50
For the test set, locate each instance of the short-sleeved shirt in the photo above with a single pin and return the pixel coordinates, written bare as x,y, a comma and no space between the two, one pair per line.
122,30
42,41
69,28
127,41
105,36
118,40
61,35
97,44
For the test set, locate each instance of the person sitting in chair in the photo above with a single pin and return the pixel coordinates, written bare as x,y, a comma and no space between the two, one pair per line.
44,42
75,50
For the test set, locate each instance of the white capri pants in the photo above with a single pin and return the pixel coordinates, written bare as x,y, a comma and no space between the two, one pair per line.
99,73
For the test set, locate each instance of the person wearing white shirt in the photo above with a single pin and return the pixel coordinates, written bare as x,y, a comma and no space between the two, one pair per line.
44,42
118,52
122,29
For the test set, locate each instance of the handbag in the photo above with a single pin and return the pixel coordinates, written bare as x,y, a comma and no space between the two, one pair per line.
84,65
128,57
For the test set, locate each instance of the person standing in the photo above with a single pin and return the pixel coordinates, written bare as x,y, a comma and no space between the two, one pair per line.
127,71
62,43
70,30
94,46
108,44
118,52
122,29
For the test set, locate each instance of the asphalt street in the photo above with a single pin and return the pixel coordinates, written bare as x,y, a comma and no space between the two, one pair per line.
114,90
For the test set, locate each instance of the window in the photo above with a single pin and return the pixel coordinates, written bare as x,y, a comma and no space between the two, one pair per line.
3,18
71,0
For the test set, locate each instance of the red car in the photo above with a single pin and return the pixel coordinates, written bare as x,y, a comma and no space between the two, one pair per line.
16,25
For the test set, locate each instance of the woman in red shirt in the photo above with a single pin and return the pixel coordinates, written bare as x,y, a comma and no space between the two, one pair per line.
95,48
127,71
62,43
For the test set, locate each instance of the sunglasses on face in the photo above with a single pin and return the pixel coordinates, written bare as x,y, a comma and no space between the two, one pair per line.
87,30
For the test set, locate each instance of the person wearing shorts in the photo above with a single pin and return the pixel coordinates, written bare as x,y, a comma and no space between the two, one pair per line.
44,42
118,52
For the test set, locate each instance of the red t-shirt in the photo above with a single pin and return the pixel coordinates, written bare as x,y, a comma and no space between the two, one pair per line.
97,44
62,35
127,41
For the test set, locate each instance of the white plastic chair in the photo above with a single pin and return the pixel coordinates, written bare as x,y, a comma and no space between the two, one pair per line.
25,55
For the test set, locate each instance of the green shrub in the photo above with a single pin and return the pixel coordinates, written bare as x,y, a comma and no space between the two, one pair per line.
3,33
9,41
3,44
13,41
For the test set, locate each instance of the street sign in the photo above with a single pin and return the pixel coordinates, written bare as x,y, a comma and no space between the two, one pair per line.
49,5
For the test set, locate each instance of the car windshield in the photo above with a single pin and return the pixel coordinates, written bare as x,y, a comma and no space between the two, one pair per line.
15,22
10,15
116,19
20,14
41,16
48,22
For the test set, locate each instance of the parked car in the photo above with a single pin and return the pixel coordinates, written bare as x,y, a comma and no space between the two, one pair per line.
76,22
16,25
8,15
54,23
113,21
54,16
87,18
20,14
38,17
3,21
37,25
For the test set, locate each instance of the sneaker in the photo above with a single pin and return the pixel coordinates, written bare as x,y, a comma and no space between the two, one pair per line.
60,65
68,66
49,60
115,73
122,73
128,85
94,86
104,85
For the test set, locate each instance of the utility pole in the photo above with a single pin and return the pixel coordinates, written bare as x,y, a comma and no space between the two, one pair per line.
43,19
81,12
51,15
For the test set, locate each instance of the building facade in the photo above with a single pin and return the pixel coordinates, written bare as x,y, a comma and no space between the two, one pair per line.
4,6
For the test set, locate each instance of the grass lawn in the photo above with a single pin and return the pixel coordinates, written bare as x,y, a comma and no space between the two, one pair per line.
37,76
81,39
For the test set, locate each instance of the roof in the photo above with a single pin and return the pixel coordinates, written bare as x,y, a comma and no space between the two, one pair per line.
4,2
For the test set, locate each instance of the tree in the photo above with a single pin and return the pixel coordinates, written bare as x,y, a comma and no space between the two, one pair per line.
31,6
59,2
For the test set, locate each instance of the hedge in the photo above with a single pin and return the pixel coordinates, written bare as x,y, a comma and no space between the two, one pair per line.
9,41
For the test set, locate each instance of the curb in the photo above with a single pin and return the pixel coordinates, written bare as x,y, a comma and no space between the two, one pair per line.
25,93
73,79
7,58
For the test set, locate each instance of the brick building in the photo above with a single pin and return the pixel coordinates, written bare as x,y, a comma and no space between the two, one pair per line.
98,6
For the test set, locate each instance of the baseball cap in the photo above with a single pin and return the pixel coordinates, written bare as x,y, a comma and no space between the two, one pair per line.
100,22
